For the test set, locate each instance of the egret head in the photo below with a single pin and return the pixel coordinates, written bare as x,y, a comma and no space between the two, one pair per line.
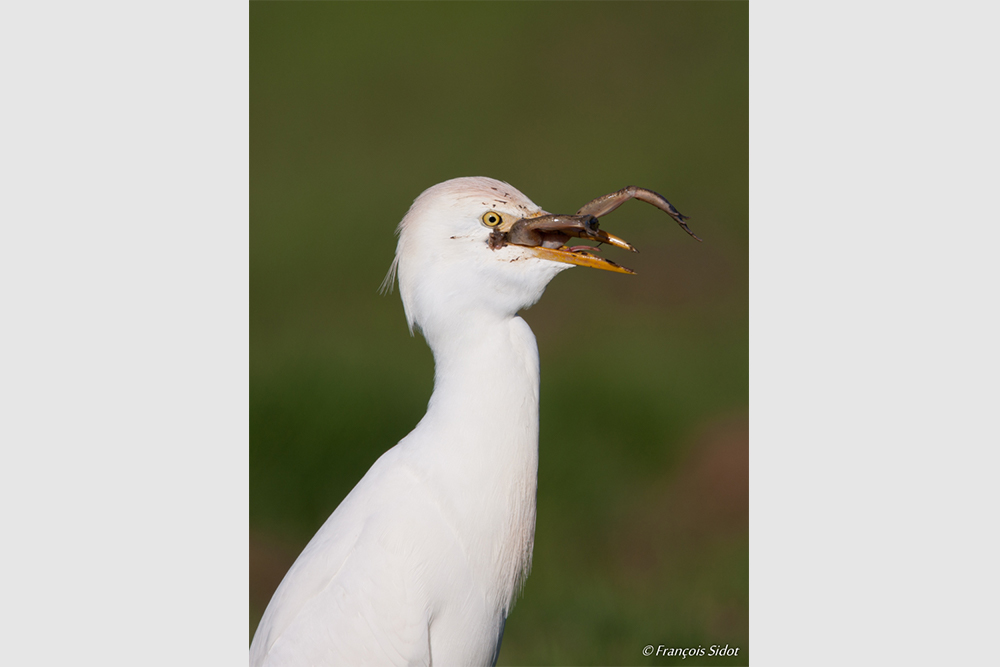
457,254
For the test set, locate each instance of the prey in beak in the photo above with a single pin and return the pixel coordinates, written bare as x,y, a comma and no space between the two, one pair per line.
546,234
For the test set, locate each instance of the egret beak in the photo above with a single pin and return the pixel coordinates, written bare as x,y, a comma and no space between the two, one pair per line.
580,258
545,236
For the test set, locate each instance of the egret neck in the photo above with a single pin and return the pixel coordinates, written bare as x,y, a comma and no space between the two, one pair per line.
479,444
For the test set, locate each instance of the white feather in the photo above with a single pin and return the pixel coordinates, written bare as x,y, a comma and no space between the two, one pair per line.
423,559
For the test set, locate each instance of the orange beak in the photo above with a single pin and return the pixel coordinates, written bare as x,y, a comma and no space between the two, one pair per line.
545,235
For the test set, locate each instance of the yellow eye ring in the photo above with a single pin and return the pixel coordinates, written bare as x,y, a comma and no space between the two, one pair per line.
492,218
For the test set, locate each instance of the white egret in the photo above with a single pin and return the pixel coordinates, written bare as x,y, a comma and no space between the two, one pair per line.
422,560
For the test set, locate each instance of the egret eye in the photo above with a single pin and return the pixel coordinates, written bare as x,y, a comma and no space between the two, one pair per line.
492,218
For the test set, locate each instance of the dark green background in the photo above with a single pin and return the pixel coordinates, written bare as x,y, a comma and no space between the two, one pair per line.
355,109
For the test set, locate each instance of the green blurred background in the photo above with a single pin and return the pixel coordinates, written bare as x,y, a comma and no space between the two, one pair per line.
355,108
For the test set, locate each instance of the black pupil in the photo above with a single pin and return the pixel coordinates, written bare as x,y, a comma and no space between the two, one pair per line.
493,218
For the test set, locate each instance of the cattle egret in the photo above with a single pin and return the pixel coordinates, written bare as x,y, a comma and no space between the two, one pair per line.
422,560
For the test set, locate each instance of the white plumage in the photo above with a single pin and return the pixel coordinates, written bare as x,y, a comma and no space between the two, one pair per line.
421,562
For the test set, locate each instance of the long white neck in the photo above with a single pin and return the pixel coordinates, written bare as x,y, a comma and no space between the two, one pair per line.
483,415
481,366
